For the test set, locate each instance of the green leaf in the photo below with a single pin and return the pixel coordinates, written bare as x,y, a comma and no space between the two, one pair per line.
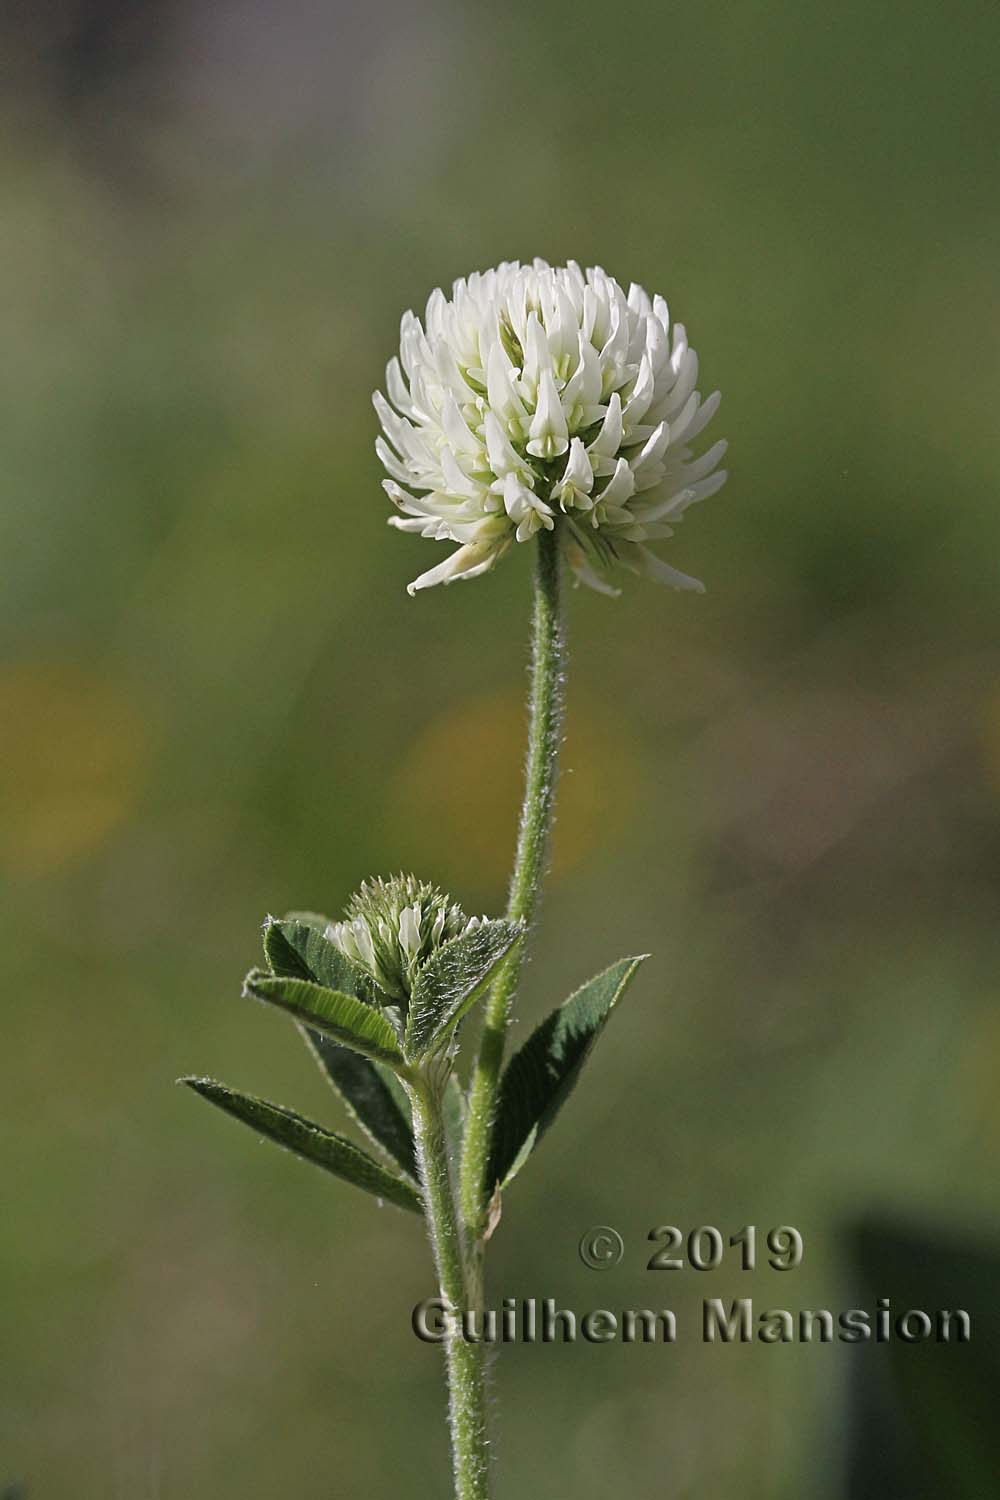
452,980
540,1077
334,1153
298,949
367,1089
339,1016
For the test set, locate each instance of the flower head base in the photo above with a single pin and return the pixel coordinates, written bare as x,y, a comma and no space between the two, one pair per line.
391,927
545,397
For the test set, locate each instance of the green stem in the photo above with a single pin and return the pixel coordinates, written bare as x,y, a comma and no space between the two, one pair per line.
544,736
466,1377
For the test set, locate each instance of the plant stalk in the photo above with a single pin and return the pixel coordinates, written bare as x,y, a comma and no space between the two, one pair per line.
465,1360
544,738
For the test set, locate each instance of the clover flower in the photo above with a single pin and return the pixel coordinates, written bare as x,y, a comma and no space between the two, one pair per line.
540,396
391,927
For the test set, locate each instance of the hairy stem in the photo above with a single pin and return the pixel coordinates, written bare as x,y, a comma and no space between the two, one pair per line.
544,736
466,1378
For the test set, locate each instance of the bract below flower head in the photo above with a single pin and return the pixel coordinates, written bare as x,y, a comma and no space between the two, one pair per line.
391,927
540,397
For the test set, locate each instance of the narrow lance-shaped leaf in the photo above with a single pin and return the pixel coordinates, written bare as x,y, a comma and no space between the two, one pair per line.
333,1152
452,980
540,1077
367,1090
339,1016
297,948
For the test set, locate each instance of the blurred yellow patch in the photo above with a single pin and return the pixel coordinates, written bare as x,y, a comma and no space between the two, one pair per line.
71,759
457,792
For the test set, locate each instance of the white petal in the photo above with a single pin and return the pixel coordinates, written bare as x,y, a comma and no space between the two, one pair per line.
609,439
399,395
699,418
521,503
397,429
501,454
619,488
457,481
641,396
431,527
468,562
641,560
392,462
687,379
537,355
456,429
548,433
677,503
500,389
710,486
638,300
584,386
409,930
578,474
704,465
654,448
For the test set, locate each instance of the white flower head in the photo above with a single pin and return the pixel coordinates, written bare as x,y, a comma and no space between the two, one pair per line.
391,927
541,396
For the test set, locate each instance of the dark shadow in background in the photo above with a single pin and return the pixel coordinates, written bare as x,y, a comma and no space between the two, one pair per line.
922,1417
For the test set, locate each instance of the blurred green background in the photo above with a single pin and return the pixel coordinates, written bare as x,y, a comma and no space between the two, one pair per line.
217,701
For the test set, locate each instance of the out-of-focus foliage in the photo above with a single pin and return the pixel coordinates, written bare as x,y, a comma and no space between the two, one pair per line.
217,700
924,1426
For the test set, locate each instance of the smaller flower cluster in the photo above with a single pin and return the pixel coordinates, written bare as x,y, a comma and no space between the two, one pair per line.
391,927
